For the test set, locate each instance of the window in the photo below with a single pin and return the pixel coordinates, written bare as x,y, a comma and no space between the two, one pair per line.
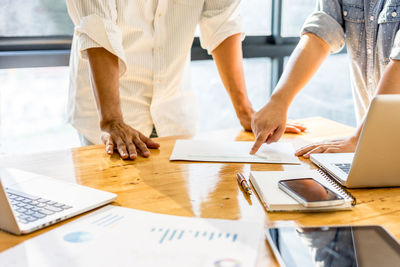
256,16
327,95
294,13
33,110
213,98
34,18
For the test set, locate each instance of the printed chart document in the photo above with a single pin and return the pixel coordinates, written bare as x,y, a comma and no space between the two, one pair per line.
231,151
115,236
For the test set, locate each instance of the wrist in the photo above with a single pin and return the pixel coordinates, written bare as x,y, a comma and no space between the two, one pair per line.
244,109
356,134
109,120
281,100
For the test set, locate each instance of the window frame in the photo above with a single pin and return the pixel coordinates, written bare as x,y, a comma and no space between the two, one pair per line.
28,52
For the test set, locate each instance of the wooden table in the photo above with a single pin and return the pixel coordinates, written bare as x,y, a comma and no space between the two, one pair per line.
205,190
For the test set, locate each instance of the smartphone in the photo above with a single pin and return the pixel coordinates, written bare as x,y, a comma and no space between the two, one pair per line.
310,193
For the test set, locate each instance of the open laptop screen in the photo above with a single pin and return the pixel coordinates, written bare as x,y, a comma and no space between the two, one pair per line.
334,246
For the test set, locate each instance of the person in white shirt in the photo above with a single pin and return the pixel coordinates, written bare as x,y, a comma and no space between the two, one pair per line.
135,55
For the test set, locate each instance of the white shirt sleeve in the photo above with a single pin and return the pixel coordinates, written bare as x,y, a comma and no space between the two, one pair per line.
95,26
219,20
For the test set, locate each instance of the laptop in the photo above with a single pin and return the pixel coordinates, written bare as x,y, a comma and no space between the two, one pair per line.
29,201
376,161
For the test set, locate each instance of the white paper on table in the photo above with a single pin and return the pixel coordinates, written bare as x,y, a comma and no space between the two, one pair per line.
115,236
231,151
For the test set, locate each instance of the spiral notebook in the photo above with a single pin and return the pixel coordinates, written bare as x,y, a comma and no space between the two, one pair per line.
274,199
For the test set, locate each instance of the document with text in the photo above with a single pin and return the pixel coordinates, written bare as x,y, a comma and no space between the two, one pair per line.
116,236
231,151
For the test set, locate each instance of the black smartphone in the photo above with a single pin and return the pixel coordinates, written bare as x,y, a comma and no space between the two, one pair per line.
310,193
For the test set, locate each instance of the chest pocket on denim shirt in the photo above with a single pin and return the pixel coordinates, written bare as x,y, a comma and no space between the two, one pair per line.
354,25
388,25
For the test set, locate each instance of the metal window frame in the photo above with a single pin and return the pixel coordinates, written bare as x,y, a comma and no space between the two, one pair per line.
28,52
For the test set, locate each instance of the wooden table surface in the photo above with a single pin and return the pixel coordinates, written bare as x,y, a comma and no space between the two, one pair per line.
206,190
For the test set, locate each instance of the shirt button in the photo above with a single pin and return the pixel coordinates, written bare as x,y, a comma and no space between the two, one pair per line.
345,13
394,14
371,18
159,15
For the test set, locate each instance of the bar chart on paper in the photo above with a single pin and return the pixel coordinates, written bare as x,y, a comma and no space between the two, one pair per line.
166,235
154,240
174,235
108,220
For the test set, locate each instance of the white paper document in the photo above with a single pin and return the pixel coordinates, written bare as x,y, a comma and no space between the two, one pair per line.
115,236
231,151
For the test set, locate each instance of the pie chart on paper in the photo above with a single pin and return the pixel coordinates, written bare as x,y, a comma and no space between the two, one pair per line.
78,237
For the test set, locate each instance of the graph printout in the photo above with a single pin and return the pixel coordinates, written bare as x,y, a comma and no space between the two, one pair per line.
232,151
115,236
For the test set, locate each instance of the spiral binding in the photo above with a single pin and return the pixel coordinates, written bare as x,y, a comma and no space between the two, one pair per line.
338,186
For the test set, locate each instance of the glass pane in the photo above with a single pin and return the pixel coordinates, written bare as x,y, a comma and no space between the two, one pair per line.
327,95
33,104
213,98
34,18
27,18
256,16
294,13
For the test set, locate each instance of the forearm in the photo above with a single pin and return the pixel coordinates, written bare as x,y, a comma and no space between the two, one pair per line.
105,81
302,65
390,81
229,59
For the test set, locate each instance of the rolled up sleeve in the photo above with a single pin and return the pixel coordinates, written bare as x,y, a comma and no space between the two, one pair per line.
220,19
395,53
327,23
95,26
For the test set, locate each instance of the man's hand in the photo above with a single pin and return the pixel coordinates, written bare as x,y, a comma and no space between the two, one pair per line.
245,118
295,127
345,145
117,135
268,124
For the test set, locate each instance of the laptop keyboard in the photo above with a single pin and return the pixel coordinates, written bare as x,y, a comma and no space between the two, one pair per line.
344,167
28,208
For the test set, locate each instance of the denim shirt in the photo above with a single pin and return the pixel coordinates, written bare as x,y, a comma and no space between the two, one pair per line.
370,28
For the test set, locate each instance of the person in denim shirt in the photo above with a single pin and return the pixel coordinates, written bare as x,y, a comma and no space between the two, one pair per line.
370,28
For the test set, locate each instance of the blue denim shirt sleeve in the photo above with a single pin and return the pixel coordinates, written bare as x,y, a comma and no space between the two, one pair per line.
395,53
327,23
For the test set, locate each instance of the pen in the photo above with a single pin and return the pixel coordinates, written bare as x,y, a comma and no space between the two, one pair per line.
243,183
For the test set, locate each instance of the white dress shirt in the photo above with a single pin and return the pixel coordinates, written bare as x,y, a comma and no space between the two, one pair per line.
152,39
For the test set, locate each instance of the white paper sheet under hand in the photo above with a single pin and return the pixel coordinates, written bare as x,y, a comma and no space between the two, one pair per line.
115,236
231,151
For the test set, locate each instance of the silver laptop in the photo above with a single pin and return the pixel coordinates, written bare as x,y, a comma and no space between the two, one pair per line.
29,201
376,161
